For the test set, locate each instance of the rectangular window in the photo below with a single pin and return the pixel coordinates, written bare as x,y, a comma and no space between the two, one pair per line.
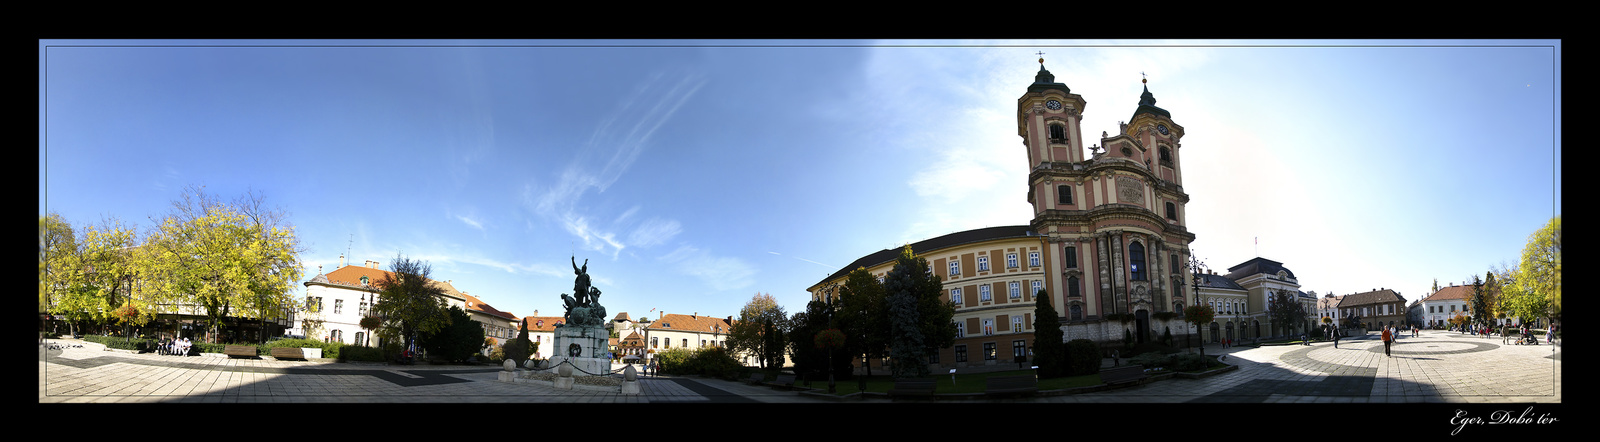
1019,348
961,329
1038,286
653,343
955,295
686,342
1015,289
989,353
961,353
983,293
933,356
1072,257
988,327
983,263
1033,259
1011,260
1064,194
955,268
1016,324
338,306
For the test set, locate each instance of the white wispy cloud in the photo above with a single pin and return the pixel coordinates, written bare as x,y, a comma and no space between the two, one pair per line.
654,231
806,260
471,222
721,273
613,146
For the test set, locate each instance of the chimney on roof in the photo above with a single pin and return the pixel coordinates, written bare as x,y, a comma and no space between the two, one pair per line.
372,264
341,260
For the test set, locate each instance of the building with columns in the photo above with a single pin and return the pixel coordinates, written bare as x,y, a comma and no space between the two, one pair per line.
1107,242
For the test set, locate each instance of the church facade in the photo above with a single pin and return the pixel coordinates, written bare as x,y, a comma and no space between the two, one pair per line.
1107,243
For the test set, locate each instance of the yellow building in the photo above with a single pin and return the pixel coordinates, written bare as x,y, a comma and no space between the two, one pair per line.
1107,239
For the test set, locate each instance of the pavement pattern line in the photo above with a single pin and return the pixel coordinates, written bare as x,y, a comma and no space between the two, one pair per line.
1436,366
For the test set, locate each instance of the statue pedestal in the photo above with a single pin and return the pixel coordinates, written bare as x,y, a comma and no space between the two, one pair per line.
586,349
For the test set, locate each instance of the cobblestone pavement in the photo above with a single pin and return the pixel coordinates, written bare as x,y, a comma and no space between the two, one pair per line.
1433,367
82,372
1437,366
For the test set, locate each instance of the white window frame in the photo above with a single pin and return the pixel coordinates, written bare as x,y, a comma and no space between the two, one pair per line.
988,326
961,328
1037,286
1015,289
955,295
983,263
1011,260
955,268
1033,259
983,293
1016,324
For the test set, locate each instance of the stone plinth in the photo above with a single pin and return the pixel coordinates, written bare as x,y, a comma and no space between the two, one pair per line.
584,348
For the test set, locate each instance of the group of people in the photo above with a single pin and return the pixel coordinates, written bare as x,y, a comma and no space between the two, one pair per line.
178,346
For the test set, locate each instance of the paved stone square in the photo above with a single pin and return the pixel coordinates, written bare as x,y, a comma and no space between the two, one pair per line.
1435,367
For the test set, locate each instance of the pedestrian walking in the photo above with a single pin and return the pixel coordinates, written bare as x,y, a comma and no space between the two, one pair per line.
1336,338
1550,335
1386,337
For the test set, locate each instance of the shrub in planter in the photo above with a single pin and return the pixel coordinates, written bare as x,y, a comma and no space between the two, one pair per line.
1083,357
358,353
1151,360
1187,362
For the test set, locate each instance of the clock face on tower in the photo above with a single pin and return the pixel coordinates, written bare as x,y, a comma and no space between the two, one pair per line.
1162,128
1053,105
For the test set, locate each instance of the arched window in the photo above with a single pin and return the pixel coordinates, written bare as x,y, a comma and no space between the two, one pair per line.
1072,287
1136,261
1166,156
1075,312
1058,132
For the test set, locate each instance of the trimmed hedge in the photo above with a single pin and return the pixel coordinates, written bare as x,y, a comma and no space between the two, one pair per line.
1083,357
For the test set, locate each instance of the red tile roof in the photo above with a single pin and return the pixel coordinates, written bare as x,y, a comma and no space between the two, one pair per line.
534,323
1450,293
693,323
475,304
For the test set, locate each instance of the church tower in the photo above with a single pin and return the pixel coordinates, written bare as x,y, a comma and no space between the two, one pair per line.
1112,219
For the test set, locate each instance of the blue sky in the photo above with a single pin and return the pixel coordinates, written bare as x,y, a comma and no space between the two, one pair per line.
694,174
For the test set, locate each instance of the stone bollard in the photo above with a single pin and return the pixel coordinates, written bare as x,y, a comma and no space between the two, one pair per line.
630,380
564,378
509,371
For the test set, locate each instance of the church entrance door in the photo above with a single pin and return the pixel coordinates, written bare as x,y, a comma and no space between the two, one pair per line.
1143,319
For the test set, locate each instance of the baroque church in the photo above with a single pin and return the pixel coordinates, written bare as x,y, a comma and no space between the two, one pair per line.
1107,242
1114,219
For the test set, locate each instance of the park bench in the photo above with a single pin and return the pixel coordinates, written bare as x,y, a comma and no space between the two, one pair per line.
912,388
1123,374
240,351
786,380
1008,385
287,353
756,378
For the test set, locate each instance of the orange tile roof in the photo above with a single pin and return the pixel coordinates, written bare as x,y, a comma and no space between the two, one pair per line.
473,303
691,323
534,325
1450,293
350,276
